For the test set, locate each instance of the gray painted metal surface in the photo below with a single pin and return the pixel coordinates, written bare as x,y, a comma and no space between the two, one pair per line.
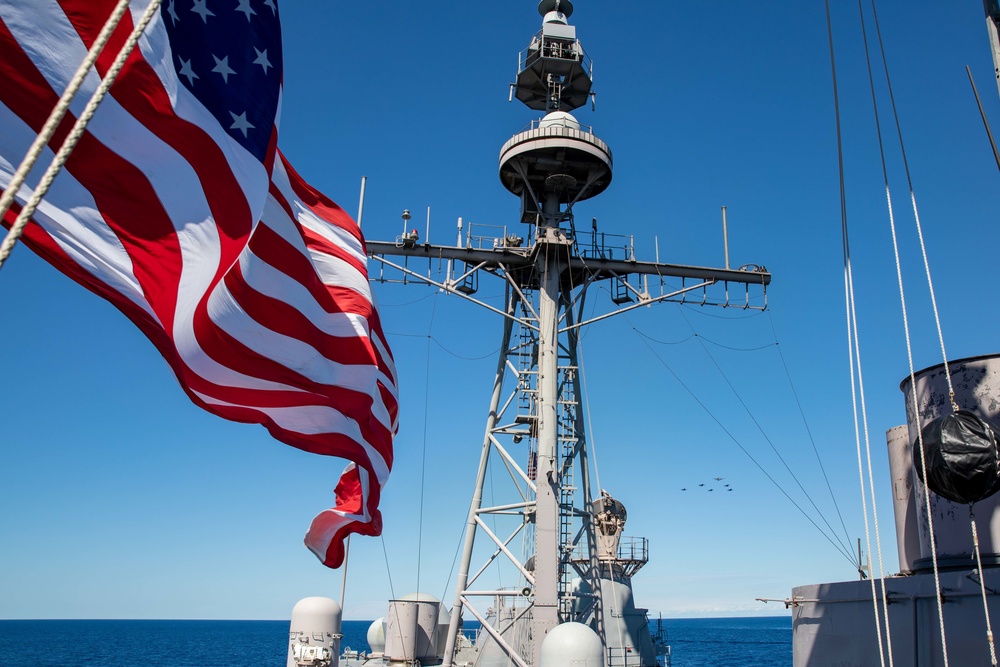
834,625
976,382
904,499
411,628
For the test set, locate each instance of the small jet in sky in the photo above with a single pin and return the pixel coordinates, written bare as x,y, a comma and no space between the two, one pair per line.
683,489
701,485
718,479
728,489
711,489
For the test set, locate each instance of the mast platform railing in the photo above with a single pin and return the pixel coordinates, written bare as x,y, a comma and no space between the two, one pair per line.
624,657
601,245
557,48
630,550
535,130
482,236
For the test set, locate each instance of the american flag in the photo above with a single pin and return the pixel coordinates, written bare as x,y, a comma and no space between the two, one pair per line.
178,208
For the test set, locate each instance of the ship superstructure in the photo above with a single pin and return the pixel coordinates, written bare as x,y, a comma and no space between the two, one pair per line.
562,536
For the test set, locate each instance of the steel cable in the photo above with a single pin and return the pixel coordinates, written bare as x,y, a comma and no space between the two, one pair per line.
739,445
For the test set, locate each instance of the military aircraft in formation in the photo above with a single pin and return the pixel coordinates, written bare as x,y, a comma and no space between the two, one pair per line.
726,486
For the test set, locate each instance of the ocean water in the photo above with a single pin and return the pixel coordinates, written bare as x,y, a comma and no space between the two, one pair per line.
730,642
719,642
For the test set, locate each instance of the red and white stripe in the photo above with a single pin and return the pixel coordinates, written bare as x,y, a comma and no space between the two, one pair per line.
252,285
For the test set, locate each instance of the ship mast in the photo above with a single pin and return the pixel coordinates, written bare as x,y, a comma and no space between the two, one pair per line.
551,166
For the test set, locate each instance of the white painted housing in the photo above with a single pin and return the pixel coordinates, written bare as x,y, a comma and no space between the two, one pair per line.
314,633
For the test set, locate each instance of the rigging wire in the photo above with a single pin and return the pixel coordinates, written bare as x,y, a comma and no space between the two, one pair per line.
710,341
423,451
909,348
383,306
585,399
454,562
982,586
916,215
848,290
805,422
851,317
732,348
589,443
861,426
697,335
388,573
699,309
590,423
746,408
388,570
670,342
490,354
739,445
797,401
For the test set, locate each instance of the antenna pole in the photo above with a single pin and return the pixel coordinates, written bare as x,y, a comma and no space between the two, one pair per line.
343,580
406,222
725,236
361,202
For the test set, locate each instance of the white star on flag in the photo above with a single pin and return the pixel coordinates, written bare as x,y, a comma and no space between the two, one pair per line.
201,9
222,67
188,72
240,123
172,12
270,3
262,59
245,7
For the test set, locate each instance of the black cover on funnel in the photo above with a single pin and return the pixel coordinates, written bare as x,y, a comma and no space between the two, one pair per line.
962,458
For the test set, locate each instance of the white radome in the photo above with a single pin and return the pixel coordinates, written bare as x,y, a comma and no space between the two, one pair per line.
572,645
376,636
560,119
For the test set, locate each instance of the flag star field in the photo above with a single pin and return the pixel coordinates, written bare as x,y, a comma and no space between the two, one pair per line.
229,56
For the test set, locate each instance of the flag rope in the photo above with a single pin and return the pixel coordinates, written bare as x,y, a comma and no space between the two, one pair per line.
982,587
15,231
60,109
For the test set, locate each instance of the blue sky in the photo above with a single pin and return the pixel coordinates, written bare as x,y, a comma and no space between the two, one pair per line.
120,499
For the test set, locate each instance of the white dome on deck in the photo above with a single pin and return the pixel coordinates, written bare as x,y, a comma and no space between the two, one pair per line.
560,119
376,636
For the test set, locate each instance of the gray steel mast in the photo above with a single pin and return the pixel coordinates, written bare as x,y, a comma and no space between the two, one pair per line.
550,166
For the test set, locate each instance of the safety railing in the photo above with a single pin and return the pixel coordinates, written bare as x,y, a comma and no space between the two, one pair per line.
559,48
